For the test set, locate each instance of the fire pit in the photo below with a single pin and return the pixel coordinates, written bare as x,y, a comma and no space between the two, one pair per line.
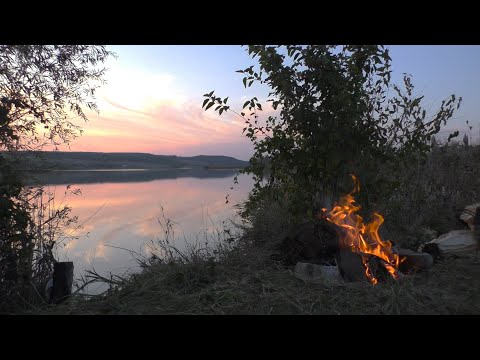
358,237
358,250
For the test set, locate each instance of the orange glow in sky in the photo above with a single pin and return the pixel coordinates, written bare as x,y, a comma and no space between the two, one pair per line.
142,111
153,96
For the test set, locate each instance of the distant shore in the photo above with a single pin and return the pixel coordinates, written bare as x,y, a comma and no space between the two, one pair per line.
96,161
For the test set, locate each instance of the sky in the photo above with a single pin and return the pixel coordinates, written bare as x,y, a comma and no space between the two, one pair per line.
152,99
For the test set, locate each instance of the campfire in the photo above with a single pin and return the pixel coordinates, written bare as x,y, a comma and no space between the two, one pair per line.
339,244
362,237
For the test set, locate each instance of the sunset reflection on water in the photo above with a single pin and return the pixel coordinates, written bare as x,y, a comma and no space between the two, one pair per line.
125,215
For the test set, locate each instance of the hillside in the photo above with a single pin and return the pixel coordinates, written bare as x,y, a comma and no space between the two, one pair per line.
96,160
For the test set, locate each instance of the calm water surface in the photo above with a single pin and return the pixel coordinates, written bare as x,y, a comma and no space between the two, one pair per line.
125,215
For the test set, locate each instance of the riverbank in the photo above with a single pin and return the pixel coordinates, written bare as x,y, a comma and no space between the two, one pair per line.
245,281
239,275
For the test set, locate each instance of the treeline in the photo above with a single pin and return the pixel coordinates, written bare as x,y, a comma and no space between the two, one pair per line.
57,160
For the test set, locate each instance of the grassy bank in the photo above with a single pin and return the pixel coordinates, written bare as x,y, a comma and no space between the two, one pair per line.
239,276
246,283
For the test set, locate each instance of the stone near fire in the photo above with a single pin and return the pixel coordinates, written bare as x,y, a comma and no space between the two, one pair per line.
316,273
458,242
431,249
415,261
468,214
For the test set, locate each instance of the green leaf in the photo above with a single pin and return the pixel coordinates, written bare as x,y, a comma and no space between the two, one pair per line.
204,103
225,100
209,106
221,110
211,93
338,105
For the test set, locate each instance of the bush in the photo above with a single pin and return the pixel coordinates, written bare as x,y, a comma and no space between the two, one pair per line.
432,194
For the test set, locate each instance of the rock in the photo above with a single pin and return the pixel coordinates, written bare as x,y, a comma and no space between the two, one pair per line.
468,214
316,273
414,261
431,249
460,242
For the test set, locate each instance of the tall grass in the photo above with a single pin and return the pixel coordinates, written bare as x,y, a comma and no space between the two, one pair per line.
49,229
433,194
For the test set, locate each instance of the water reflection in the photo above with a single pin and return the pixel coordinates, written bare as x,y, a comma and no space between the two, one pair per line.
122,175
125,215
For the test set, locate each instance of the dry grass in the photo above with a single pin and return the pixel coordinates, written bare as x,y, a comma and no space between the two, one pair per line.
433,194
239,277
245,282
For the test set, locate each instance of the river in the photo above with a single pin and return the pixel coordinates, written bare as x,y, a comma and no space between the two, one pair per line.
119,212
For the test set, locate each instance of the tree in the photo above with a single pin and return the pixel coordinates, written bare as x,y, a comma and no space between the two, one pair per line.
42,89
338,113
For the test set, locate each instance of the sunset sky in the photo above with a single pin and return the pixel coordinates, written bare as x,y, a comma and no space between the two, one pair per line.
152,100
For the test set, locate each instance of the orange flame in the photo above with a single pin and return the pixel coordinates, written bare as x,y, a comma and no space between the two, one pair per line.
363,238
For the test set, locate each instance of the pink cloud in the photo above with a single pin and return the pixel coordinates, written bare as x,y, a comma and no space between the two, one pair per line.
167,128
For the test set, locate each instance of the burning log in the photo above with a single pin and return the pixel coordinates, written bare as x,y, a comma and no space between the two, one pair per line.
350,265
356,246
361,238
353,267
396,273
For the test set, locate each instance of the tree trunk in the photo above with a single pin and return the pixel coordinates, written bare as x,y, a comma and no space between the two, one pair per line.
62,281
